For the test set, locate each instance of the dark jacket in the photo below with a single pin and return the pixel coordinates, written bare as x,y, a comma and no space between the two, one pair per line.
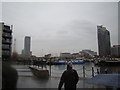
69,78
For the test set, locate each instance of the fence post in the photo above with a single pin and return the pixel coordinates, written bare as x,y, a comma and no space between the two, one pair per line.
106,71
92,72
50,67
84,71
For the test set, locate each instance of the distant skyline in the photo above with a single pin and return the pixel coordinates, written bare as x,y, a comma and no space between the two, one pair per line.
60,27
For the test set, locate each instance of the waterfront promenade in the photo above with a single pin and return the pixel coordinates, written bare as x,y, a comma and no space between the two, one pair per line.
30,81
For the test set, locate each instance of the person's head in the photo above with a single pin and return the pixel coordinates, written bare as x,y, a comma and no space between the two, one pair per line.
69,65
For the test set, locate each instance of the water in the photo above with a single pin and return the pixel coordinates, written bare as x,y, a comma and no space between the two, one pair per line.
27,80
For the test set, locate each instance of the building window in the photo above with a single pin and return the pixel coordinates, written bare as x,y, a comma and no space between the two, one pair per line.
5,52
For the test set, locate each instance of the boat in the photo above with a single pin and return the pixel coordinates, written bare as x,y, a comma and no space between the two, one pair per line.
78,62
61,62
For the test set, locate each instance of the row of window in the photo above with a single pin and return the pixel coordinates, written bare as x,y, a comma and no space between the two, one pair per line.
6,34
5,52
6,40
5,46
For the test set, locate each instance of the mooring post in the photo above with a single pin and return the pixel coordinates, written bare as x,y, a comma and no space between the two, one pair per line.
92,72
50,67
106,71
84,71
97,71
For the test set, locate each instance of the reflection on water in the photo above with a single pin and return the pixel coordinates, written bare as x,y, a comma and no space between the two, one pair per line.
113,69
28,80
59,67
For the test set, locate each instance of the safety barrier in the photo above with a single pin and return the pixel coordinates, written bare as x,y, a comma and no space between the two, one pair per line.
85,72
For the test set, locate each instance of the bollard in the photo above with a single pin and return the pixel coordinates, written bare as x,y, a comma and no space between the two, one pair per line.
84,71
50,70
106,71
92,72
97,71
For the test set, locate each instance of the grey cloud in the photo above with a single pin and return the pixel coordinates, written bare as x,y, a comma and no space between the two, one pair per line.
57,27
83,28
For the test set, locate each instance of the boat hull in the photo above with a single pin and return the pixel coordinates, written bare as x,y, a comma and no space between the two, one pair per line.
64,63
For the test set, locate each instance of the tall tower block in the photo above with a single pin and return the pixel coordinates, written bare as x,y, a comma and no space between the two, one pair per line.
104,45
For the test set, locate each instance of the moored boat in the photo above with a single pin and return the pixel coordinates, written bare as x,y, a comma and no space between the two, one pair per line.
61,62
78,62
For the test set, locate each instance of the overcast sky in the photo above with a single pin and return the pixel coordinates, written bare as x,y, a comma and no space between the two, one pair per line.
60,27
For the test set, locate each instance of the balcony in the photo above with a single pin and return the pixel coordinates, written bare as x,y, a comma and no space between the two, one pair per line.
5,48
6,36
7,29
6,53
6,42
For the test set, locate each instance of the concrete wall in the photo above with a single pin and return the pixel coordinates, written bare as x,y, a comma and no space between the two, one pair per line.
0,55
119,27
0,41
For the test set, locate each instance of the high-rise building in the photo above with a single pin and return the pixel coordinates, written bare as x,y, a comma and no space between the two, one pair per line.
6,39
115,51
27,45
104,45
22,52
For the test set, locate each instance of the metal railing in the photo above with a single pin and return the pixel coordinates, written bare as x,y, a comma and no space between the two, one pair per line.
92,72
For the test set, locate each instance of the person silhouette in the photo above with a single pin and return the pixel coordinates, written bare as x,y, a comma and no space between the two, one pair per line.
69,78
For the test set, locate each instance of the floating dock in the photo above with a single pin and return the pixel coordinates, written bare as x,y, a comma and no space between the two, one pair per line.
40,73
